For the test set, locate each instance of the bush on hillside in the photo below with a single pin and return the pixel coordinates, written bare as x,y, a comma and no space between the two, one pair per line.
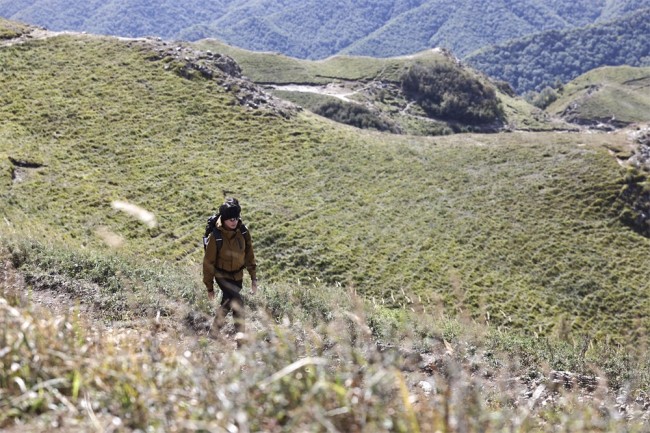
354,115
635,203
542,99
449,93
12,29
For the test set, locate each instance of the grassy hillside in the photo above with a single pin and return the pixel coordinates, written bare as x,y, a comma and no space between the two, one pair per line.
137,359
377,84
276,68
409,283
611,95
515,227
12,29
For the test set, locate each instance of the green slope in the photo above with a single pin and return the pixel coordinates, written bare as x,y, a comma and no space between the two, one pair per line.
376,83
520,229
614,95
276,68
12,29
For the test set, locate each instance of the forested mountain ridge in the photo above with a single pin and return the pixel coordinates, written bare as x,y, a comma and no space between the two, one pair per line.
459,26
310,29
541,60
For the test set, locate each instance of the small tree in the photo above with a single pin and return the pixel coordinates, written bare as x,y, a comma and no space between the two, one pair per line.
543,99
451,93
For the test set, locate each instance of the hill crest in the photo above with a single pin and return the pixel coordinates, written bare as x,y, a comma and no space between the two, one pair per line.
184,58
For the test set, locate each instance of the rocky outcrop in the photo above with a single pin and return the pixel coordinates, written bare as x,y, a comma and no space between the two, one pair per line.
205,62
21,168
191,64
188,63
641,157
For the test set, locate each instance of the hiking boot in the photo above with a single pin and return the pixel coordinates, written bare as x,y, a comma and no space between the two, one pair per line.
241,339
214,333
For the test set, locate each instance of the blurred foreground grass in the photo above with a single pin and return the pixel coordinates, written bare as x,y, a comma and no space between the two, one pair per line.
319,358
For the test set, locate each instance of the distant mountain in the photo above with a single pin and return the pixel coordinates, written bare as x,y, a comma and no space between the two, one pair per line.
114,17
313,29
541,60
466,25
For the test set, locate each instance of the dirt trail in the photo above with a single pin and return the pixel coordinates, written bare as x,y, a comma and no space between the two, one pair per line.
332,89
40,33
341,90
34,34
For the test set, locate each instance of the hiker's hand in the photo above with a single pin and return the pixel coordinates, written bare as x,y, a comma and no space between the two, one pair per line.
211,295
253,287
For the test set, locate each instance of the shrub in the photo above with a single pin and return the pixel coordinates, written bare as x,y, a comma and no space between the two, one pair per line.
450,93
542,99
354,115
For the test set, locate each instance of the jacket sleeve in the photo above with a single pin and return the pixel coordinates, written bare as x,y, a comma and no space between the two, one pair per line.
249,260
209,262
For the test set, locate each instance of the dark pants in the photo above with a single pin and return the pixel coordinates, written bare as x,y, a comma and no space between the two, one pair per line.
230,300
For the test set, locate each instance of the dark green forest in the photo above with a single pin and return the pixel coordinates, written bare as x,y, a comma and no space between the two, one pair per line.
554,57
355,115
314,29
465,26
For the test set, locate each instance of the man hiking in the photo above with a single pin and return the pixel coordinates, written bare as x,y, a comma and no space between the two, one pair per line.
228,251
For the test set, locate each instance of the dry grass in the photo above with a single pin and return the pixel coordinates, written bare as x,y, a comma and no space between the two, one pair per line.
315,366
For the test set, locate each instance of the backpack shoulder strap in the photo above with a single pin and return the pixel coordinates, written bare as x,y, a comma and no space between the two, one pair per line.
211,227
216,234
218,237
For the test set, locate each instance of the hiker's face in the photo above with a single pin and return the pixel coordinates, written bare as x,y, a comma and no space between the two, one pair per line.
231,223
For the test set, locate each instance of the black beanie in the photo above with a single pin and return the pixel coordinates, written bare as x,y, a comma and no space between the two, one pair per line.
230,209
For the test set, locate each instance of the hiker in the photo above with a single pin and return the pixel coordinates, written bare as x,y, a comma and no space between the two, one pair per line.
228,251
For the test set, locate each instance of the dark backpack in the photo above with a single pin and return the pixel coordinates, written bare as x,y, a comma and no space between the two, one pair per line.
211,227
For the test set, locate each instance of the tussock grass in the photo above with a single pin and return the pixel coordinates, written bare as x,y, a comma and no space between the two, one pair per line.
119,288
318,358
520,231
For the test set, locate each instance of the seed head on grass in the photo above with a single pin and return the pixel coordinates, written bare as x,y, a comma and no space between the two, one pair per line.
144,216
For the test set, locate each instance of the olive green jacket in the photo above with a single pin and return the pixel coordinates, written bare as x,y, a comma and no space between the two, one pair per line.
235,255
